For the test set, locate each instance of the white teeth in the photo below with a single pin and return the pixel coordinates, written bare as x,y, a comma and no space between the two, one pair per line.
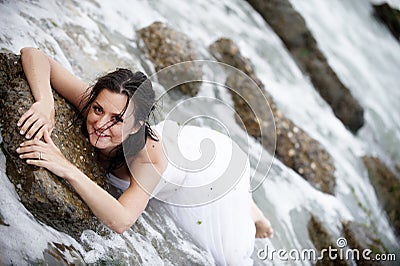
100,134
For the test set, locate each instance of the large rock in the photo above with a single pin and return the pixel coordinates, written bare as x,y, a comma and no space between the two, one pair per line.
50,199
322,240
361,237
166,47
387,187
354,239
390,17
294,147
53,202
290,26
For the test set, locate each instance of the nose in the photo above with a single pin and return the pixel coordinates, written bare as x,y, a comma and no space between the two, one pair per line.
102,122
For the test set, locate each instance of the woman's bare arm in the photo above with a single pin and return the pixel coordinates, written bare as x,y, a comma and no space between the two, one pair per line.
42,74
118,215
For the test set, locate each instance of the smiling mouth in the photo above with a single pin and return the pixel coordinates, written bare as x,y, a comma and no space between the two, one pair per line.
100,134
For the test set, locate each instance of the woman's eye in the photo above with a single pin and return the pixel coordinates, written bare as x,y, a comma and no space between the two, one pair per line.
117,119
97,109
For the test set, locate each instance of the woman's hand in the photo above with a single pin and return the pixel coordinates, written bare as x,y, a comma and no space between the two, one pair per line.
45,154
38,119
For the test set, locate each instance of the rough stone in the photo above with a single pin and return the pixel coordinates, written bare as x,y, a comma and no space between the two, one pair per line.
53,202
166,47
294,147
290,26
390,17
361,237
322,240
49,198
387,187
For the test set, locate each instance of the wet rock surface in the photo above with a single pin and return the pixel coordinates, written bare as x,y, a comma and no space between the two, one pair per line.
60,254
322,240
290,26
387,187
166,47
294,147
53,202
49,198
390,17
361,237
354,239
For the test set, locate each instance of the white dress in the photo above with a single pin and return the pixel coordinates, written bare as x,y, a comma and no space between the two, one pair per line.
208,201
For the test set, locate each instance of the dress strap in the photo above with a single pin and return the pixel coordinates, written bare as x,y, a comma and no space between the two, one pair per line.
118,182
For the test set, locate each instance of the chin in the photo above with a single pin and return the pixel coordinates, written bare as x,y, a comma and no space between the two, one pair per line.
99,143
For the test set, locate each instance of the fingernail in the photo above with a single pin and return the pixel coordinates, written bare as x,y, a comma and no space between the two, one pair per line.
22,144
18,124
21,132
27,136
18,149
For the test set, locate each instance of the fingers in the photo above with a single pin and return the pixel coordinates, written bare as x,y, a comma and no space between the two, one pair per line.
32,155
24,117
32,149
46,128
27,124
41,131
37,128
31,142
27,149
39,134
47,138
35,121
40,163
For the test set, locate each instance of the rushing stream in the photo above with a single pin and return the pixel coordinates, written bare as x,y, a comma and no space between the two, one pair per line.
92,37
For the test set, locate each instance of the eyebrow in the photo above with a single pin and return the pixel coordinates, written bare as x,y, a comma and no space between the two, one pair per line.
116,114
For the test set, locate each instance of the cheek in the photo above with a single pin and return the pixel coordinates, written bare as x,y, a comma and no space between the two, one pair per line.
89,118
116,132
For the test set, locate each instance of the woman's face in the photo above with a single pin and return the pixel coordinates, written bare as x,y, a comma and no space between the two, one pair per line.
104,112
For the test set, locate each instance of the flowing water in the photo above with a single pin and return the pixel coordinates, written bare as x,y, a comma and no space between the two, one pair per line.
92,37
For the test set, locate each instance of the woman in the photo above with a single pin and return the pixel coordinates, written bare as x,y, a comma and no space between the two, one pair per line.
115,112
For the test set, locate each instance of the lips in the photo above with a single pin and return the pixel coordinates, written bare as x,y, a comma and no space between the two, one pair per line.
100,134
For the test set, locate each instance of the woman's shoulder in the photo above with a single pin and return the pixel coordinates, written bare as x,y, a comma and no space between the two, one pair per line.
152,152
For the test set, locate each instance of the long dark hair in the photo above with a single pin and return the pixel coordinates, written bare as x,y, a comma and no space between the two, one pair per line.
137,87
